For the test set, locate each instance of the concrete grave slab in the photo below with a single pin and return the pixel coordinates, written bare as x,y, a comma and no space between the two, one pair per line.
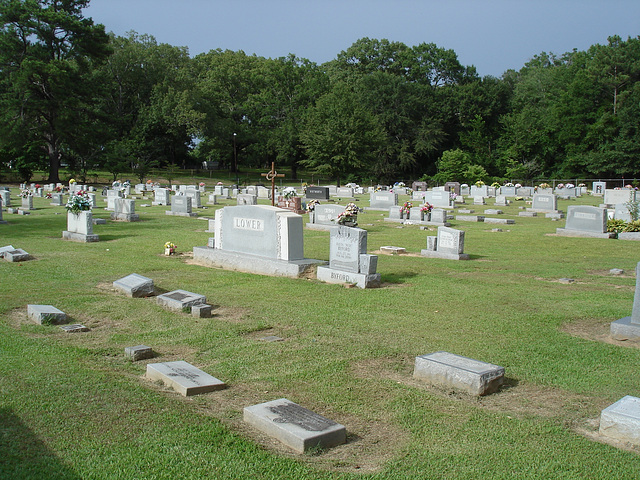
472,376
295,426
184,378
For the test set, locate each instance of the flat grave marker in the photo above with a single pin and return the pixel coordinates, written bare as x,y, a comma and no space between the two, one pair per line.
184,378
295,426
472,376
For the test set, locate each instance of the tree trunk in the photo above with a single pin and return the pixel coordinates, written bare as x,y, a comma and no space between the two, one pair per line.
54,161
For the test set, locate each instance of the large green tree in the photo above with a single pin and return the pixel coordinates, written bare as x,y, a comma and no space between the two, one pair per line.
47,52
341,136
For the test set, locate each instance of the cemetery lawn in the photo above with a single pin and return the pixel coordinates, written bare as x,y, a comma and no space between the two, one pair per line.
73,407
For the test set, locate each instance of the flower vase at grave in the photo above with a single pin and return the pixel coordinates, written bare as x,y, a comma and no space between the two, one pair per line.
169,251
425,216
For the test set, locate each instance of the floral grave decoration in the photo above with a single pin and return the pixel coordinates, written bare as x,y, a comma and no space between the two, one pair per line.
25,193
479,183
72,181
58,189
289,193
48,195
426,208
201,184
406,207
311,206
78,202
349,216
169,248
508,184
544,185
495,185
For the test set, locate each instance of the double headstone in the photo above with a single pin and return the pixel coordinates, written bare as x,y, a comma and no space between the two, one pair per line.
382,200
111,198
194,195
544,203
162,196
348,259
181,206
324,217
256,239
585,221
247,199
438,198
124,209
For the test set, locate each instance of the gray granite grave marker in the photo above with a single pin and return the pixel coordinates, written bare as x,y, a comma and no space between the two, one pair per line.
472,376
295,426
179,300
135,285
586,221
139,352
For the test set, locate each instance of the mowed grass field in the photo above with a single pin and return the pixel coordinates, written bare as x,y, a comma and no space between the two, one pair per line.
72,406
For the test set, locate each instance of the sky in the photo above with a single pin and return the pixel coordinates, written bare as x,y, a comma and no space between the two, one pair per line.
492,35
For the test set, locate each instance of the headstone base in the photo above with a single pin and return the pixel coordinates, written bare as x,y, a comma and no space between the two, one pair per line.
563,232
629,236
470,218
446,256
180,214
80,237
624,329
504,221
215,257
361,280
125,217
295,426
319,226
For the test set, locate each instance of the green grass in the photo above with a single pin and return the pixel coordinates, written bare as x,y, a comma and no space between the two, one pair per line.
73,407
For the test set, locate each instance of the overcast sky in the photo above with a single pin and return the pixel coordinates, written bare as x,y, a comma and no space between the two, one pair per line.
493,35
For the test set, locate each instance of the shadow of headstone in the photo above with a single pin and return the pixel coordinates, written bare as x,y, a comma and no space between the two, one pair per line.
24,455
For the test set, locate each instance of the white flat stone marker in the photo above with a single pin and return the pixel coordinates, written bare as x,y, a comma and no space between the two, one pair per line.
295,426
184,378
467,374
622,420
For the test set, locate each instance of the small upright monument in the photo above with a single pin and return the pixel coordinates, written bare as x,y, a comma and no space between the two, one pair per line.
629,327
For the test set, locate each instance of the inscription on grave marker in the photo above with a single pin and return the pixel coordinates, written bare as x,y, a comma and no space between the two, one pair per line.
300,416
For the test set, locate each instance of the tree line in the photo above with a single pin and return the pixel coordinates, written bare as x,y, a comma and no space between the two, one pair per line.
73,95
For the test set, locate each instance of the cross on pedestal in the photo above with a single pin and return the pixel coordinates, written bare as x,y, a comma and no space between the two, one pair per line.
272,176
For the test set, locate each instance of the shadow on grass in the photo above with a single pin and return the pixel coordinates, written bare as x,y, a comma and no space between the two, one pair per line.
398,277
508,384
24,455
